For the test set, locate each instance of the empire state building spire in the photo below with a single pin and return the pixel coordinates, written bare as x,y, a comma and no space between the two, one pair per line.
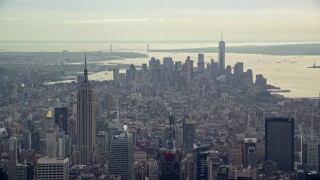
85,68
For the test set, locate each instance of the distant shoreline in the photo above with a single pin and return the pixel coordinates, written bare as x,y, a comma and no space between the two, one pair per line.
280,50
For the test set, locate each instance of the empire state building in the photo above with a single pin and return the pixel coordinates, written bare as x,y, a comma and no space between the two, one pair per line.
86,123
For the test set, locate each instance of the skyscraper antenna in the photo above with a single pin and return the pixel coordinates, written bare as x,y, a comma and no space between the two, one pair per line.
85,68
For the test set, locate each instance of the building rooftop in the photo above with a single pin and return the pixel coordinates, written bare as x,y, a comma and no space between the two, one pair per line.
49,160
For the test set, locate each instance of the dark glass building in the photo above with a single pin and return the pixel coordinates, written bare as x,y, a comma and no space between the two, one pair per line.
279,142
61,118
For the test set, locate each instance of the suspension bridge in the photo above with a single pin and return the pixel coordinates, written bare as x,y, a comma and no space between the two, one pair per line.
143,48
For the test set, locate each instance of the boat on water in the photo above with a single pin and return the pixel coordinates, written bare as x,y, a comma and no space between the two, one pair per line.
314,66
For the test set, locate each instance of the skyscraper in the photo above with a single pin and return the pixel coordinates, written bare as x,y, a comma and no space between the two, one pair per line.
279,142
13,158
52,168
170,157
222,59
61,118
200,64
189,134
86,122
121,156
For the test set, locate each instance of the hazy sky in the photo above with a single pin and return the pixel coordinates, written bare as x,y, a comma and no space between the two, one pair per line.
107,20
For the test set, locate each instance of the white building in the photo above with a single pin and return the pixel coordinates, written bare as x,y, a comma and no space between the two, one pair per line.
52,168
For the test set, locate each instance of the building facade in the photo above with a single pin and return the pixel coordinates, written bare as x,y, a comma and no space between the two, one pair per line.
279,142
86,123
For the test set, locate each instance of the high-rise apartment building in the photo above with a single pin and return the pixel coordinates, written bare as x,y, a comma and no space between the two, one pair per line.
86,122
279,142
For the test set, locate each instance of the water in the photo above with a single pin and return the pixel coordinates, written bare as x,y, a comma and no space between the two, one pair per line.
287,72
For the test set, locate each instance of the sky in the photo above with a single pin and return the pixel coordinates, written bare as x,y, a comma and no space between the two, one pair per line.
144,20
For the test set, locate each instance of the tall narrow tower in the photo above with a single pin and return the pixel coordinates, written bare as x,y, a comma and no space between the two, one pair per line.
13,158
86,122
170,157
222,52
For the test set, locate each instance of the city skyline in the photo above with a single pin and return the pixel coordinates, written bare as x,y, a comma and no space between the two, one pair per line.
182,89
143,20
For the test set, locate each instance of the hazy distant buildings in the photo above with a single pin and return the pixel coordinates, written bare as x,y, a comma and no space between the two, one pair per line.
86,123
279,142
116,75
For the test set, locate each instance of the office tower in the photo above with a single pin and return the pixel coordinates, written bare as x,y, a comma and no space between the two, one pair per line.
200,155
223,173
260,80
101,146
61,118
13,158
86,122
170,157
62,145
310,154
51,143
235,157
250,152
35,140
188,167
189,134
152,169
132,73
214,69
52,168
154,68
116,76
238,69
3,173
168,64
190,69
247,78
49,121
222,56
21,172
279,142
30,171
201,64
121,156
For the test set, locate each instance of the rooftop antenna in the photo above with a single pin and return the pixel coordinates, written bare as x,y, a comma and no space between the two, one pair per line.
85,68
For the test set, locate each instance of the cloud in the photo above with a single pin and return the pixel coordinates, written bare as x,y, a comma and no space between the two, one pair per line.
101,21
11,19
